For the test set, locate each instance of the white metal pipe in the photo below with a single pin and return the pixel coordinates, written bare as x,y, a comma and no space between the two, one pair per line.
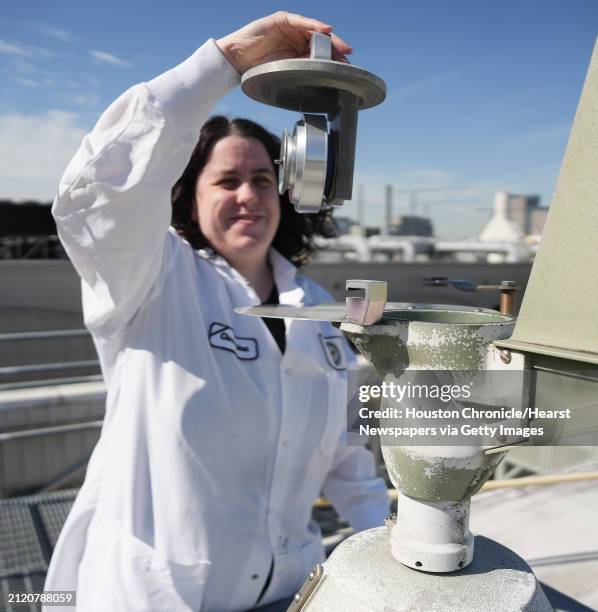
347,243
392,244
515,252
432,536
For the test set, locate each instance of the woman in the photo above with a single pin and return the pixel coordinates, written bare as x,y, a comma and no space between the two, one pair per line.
219,433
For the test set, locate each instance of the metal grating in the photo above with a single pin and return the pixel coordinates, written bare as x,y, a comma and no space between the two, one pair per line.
29,528
20,550
53,514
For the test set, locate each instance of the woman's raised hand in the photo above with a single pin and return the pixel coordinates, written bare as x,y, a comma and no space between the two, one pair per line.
278,36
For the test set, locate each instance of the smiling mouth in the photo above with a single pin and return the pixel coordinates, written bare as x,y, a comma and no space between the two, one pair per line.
247,218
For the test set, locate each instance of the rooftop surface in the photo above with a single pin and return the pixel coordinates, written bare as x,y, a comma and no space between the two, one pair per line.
554,528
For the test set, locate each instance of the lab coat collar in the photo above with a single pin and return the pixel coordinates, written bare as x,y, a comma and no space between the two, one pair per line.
285,273
289,292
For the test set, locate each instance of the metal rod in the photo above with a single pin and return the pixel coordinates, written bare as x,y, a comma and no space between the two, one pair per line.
50,382
491,485
47,367
64,475
46,431
42,335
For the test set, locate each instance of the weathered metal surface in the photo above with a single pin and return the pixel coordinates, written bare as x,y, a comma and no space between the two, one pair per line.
433,340
438,473
438,338
563,384
437,482
361,574
587,357
558,312
309,586
432,536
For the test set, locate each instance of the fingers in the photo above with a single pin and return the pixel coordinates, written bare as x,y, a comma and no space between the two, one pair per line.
339,57
306,24
340,45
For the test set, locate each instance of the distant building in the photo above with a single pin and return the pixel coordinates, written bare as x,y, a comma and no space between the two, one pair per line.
28,231
372,231
501,228
344,224
526,212
411,225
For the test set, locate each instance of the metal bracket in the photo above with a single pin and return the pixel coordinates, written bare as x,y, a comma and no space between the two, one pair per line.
365,301
507,289
320,46
309,586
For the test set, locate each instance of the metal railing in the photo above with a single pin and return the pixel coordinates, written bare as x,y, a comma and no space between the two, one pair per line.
45,382
42,335
40,368
50,430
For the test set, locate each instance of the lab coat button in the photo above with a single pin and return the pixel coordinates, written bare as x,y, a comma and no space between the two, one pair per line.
285,443
288,371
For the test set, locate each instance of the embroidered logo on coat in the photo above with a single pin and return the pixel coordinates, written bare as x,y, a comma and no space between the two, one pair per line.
223,337
334,351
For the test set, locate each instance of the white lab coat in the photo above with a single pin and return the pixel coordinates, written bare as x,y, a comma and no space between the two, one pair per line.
214,446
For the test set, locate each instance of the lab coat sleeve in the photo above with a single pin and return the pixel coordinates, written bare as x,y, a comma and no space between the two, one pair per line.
113,205
357,494
352,484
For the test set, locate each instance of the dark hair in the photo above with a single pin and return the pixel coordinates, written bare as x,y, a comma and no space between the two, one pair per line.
294,236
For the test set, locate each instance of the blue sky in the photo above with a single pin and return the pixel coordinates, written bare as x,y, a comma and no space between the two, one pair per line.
481,95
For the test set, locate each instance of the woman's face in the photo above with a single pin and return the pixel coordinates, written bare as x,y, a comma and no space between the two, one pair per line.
237,204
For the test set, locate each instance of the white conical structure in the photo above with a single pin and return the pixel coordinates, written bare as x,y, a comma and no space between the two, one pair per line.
500,228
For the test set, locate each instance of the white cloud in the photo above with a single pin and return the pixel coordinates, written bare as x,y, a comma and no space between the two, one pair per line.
42,52
427,83
34,151
82,98
22,66
13,49
25,81
78,89
102,57
20,51
539,137
53,32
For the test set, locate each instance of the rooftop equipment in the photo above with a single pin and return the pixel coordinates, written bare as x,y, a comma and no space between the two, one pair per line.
426,557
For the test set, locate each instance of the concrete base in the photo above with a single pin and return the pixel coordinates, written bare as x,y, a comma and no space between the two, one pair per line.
361,574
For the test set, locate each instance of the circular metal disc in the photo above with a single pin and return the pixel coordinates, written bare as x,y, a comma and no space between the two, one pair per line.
310,85
308,161
337,313
323,312
286,161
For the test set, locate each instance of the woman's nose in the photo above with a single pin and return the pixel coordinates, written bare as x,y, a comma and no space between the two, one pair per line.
247,194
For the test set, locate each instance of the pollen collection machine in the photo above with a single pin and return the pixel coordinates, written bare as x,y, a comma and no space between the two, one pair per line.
425,557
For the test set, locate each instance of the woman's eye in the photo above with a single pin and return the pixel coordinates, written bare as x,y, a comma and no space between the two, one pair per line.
228,183
262,181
